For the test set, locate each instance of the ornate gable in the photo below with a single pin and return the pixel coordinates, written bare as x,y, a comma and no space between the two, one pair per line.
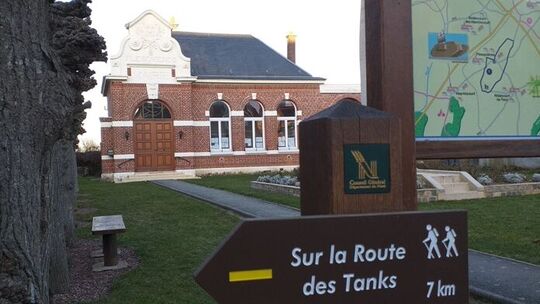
149,54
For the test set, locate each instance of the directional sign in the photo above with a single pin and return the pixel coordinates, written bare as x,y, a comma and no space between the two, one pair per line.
408,257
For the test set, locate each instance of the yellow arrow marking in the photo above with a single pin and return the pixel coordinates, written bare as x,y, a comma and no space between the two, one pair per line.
250,275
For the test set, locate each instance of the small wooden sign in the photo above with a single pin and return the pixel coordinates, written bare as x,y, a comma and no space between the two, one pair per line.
407,257
366,168
350,161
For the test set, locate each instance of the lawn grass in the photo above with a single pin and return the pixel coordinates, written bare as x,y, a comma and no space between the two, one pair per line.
171,234
506,226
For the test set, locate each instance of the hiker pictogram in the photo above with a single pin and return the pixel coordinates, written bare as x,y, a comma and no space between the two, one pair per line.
431,242
450,242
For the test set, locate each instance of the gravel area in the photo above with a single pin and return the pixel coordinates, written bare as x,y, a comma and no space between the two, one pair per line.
87,285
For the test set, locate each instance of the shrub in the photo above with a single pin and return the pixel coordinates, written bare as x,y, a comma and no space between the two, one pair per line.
279,179
514,178
485,180
90,160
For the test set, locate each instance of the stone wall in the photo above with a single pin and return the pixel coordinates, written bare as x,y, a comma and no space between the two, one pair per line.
283,189
427,195
511,189
423,195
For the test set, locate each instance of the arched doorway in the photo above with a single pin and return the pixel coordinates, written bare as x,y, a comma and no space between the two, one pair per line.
154,137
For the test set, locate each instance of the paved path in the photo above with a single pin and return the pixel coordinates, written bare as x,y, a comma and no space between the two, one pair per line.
243,205
498,279
503,280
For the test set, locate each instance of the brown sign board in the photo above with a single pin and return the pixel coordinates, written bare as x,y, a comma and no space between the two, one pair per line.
407,257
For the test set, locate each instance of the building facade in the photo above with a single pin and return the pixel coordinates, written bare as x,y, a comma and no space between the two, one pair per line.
184,104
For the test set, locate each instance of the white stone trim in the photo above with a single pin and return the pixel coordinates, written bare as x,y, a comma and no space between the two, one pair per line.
270,113
186,171
117,124
206,154
287,95
118,156
288,151
299,113
148,12
234,81
120,177
124,156
152,90
219,96
237,113
186,79
124,123
109,177
340,88
253,96
184,154
254,151
183,123
243,169
201,123
192,154
235,153
113,77
206,113
191,123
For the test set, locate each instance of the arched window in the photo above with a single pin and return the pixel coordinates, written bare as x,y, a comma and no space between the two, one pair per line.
152,109
254,126
286,112
220,122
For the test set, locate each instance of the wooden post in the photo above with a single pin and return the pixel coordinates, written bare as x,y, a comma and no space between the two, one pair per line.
350,161
110,257
390,77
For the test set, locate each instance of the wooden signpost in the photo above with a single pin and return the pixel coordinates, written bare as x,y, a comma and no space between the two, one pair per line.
389,77
413,257
354,165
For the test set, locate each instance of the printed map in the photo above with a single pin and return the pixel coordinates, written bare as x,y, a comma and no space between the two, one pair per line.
476,68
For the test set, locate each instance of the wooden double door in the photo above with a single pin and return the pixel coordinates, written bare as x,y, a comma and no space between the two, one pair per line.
154,145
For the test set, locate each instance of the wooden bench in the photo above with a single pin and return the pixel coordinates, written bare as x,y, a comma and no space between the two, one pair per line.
108,226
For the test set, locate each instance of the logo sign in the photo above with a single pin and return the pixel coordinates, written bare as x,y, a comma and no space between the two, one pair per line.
411,257
367,168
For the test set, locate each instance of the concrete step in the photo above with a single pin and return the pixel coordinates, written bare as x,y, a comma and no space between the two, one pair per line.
147,176
447,178
459,187
463,195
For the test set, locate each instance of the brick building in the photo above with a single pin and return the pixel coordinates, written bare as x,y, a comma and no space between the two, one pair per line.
183,104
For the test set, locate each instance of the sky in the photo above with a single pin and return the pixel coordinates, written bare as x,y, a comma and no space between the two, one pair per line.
327,32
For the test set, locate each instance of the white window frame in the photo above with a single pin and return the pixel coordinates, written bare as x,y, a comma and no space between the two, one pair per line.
253,120
219,120
286,119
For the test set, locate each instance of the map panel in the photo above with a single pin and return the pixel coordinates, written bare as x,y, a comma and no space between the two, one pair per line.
476,69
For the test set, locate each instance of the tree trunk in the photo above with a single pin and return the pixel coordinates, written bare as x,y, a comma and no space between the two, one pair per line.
45,51
62,177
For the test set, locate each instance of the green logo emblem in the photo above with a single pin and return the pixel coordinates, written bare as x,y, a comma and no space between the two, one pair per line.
367,168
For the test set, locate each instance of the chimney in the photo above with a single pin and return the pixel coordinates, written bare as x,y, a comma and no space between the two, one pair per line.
291,47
